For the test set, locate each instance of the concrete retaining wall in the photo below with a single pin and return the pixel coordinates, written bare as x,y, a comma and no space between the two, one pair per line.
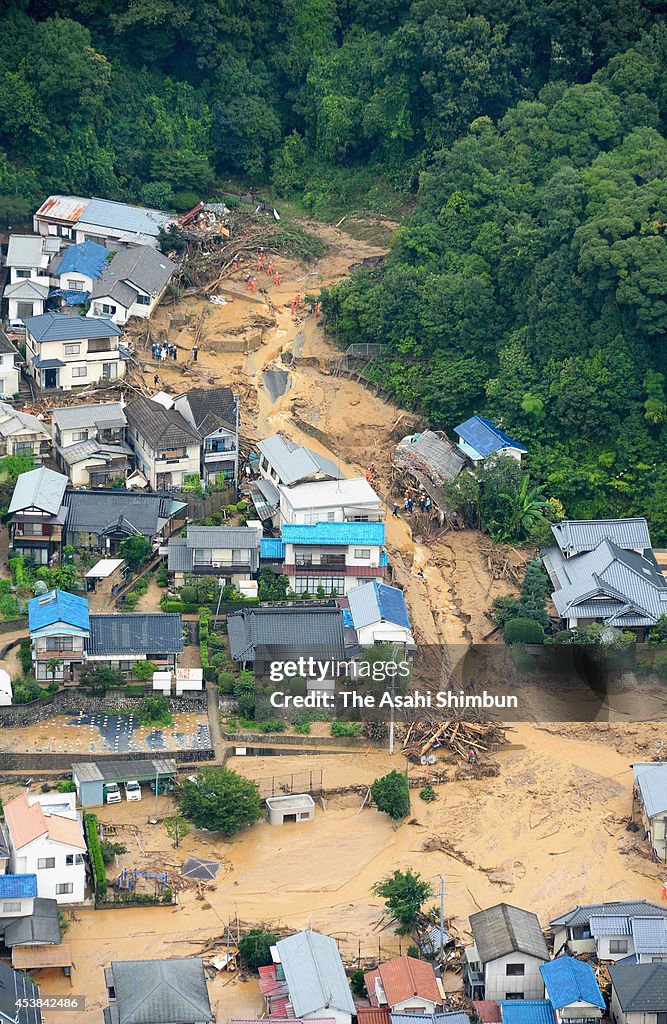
273,739
71,702
57,763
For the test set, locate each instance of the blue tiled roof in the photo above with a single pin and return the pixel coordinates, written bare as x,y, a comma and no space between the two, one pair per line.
17,886
271,547
334,533
526,1011
85,258
63,327
570,981
58,606
482,435
392,604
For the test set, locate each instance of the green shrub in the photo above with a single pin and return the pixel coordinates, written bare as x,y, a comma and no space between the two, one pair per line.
523,631
131,600
140,587
428,795
109,850
65,786
25,655
255,948
162,575
188,595
134,691
660,665
95,853
302,728
144,669
269,725
345,728
226,682
154,710
391,794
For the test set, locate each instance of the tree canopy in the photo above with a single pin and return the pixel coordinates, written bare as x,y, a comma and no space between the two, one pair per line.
220,800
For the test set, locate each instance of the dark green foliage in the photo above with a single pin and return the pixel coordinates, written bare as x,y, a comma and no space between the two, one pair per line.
135,551
255,948
505,608
534,590
220,800
26,690
658,635
25,655
349,729
272,587
144,670
404,893
154,710
95,853
110,850
428,794
391,793
357,983
245,694
523,631
101,677
65,786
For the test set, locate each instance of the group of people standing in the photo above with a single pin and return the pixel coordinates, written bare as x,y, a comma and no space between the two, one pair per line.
424,503
264,265
164,351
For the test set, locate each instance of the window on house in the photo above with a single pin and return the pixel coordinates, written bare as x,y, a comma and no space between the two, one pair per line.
79,371
362,552
24,309
107,308
618,945
69,860
62,888
514,995
46,862
143,300
515,970
80,435
23,274
78,859
12,908
72,350
75,286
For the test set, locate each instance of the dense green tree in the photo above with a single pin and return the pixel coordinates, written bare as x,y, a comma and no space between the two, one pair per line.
220,800
404,893
255,948
391,794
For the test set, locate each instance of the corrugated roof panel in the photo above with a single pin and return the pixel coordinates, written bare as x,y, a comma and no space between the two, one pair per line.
527,1011
334,533
62,208
104,415
271,547
41,488
314,973
58,606
649,935
122,217
25,251
485,437
293,463
611,925
574,535
651,778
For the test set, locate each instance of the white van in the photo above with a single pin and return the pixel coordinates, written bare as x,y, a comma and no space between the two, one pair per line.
132,790
112,793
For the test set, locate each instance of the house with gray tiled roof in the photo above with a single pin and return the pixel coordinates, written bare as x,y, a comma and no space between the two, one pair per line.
507,951
258,636
167,448
605,929
214,414
101,519
66,352
170,991
226,552
605,572
638,993
131,283
90,443
649,804
38,514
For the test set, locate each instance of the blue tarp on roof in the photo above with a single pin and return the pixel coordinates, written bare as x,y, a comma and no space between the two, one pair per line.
58,606
526,1011
271,547
17,886
85,258
392,604
570,981
334,533
72,298
484,437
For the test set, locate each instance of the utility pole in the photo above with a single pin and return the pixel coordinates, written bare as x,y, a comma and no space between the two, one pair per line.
442,916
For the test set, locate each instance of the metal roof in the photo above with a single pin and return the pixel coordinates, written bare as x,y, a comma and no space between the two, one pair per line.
488,1011
180,550
206,870
334,533
271,548
287,633
102,511
612,924
155,991
18,886
323,494
506,929
582,914
58,606
83,450
121,217
568,981
39,488
651,779
526,1011
12,421
162,428
100,414
265,497
64,208
431,453
576,535
122,771
42,926
19,997
104,568
135,634
377,602
314,973
485,437
26,289
25,251
139,268
649,935
62,327
640,988
86,258
293,463
6,345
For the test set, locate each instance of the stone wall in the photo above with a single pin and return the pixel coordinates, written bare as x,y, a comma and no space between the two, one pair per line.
71,702
59,763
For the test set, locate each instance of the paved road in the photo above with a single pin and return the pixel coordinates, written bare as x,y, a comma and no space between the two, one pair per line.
214,731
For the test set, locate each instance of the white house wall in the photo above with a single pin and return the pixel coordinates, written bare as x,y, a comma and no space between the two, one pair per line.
25,861
500,985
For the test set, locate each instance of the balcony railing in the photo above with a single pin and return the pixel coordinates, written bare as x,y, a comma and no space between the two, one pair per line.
371,571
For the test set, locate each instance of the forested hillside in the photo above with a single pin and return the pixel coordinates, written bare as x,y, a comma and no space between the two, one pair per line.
530,281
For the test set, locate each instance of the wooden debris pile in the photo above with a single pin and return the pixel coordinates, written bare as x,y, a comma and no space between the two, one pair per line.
477,770
423,737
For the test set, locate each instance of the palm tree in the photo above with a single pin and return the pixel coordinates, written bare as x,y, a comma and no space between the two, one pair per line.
522,512
52,666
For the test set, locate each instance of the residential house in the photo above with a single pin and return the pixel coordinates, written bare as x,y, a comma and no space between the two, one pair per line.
131,284
574,930
166,447
638,993
121,640
328,501
72,351
46,839
28,288
284,462
59,627
22,433
405,985
265,498
172,991
90,443
445,1017
258,636
505,958
19,998
308,980
40,928
521,1011
604,571
572,990
649,804
230,553
379,615
480,439
38,515
58,216
214,415
431,460
75,270
25,298
4,850
100,520
108,223
9,370
17,895
333,557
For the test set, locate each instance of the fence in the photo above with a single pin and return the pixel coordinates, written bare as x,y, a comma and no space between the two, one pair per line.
296,782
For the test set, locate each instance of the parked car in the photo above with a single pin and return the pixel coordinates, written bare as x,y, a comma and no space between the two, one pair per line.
17,325
112,793
132,790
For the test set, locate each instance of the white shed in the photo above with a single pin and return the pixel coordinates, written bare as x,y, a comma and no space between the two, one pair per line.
297,807
5,688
